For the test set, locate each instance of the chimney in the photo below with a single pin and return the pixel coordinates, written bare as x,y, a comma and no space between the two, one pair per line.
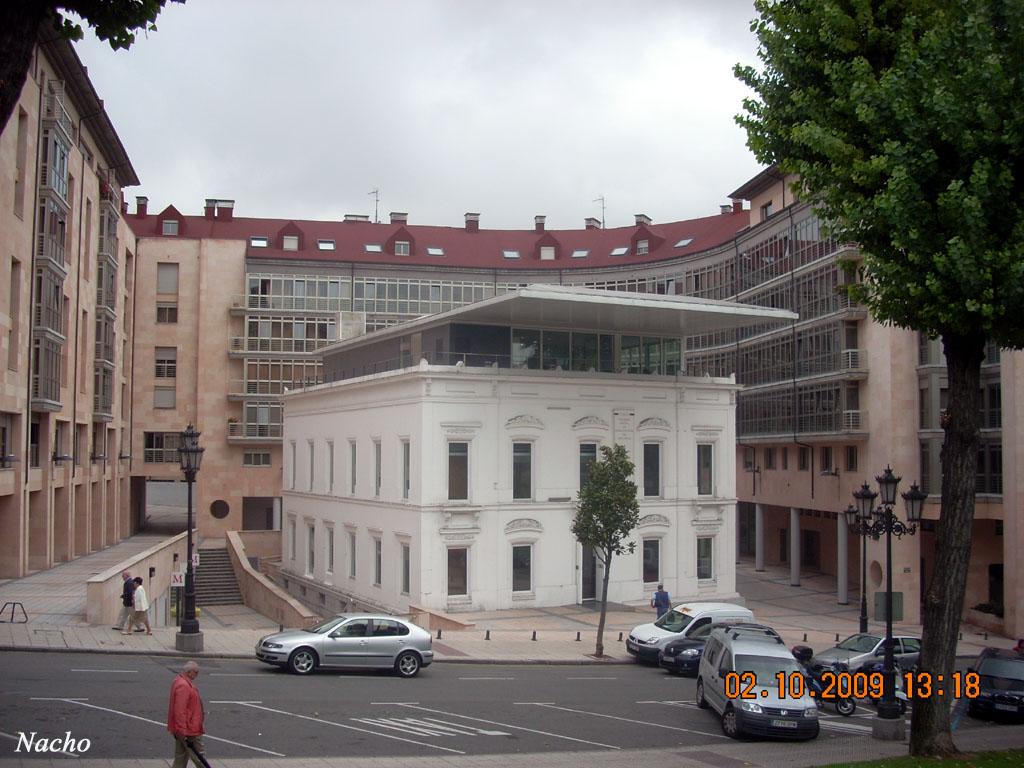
642,218
472,222
725,208
591,223
737,206
356,217
209,207
141,206
225,210
538,223
398,217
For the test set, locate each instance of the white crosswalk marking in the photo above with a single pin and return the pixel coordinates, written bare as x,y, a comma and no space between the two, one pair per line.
428,726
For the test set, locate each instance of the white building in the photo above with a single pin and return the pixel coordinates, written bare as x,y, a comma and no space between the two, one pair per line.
439,465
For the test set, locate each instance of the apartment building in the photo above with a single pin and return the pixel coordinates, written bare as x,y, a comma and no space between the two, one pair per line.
67,270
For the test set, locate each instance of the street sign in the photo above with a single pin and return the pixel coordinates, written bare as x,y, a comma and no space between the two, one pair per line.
195,559
177,578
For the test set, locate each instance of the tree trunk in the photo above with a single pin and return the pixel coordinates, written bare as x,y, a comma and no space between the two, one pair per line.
943,604
599,648
19,27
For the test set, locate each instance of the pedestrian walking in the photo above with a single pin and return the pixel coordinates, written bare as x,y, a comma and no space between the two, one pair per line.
126,618
185,718
661,601
141,602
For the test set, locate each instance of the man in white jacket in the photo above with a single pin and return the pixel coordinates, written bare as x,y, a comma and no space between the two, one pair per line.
141,606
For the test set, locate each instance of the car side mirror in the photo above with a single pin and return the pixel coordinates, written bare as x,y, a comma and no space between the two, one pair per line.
880,652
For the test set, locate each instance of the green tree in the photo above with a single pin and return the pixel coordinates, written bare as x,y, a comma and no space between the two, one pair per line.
606,513
115,21
904,121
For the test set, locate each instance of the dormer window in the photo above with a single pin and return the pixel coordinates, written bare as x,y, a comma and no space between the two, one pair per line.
643,247
435,251
169,227
622,250
684,242
402,248
373,248
259,242
290,242
547,253
580,253
325,245
510,254
767,210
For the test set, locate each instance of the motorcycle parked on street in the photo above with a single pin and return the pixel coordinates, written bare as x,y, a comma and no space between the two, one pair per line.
845,705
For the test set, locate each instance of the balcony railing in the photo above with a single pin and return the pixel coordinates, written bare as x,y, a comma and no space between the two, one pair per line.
108,246
240,387
854,359
290,303
56,113
256,344
51,249
238,429
855,421
47,318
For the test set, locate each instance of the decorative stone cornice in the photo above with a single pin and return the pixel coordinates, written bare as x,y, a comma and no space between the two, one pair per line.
590,422
653,519
524,420
524,524
655,422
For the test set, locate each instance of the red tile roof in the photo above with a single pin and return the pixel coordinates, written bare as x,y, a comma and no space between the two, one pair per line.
482,249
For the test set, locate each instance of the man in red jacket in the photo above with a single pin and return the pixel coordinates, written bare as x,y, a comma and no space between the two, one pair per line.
185,718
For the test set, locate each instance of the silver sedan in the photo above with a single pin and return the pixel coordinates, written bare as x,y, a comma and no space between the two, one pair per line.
350,640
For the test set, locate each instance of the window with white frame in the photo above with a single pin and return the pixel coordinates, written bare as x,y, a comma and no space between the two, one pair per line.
643,247
290,242
293,467
522,568
401,247
458,571
406,569
588,455
329,544
169,227
652,469
376,467
292,547
705,469
522,471
351,554
406,468
458,472
705,557
352,467
312,463
330,466
378,557
826,458
310,548
652,561
256,459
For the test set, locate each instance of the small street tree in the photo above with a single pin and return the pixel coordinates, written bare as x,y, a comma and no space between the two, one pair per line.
904,122
115,21
606,513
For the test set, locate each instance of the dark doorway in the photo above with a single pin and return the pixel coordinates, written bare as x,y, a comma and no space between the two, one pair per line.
588,588
811,550
784,545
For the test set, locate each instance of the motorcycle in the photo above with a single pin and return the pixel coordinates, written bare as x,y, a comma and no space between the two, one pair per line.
845,705
901,696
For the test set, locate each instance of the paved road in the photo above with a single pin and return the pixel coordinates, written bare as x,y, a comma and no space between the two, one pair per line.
119,702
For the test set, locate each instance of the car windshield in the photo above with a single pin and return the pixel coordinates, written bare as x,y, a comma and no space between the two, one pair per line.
1008,670
766,667
324,626
859,643
674,621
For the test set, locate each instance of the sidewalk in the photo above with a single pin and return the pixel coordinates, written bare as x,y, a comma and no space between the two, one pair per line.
808,614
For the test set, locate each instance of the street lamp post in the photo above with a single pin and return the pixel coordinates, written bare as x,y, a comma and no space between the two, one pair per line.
189,638
875,521
851,521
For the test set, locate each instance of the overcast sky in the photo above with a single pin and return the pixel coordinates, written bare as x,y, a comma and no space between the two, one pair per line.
510,108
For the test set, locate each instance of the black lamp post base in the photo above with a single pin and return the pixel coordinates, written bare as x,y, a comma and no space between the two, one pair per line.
191,642
885,729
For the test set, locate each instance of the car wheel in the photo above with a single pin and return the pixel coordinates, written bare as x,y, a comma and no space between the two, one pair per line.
701,701
302,661
407,664
846,707
730,724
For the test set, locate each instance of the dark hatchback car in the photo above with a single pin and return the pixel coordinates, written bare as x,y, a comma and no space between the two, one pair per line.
1001,693
682,657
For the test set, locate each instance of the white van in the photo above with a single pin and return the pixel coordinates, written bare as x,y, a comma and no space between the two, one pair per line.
753,682
645,641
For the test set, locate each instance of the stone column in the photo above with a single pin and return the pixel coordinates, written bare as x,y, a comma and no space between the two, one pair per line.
842,566
794,547
759,537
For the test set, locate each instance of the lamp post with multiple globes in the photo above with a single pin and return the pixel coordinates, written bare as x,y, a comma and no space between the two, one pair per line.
189,638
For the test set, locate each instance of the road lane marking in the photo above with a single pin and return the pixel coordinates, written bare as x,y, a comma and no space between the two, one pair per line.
527,703
390,703
58,698
628,720
82,703
428,726
121,671
486,678
672,703
514,727
591,678
59,751
348,727
847,727
471,729
234,701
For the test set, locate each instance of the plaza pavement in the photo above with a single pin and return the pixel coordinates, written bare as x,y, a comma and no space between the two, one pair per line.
55,603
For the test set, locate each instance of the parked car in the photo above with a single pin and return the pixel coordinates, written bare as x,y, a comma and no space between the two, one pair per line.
857,650
682,656
1001,682
350,640
647,640
771,709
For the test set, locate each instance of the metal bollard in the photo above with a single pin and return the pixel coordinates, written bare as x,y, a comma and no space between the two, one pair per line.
280,627
438,633
577,637
986,635
620,637
487,635
805,637
534,635
837,637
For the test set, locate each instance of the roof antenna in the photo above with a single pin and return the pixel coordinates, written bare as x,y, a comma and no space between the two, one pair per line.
601,201
376,204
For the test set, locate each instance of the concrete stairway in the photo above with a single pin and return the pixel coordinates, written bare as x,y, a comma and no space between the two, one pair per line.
215,579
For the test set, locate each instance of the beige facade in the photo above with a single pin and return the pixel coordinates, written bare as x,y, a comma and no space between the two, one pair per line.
66,268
